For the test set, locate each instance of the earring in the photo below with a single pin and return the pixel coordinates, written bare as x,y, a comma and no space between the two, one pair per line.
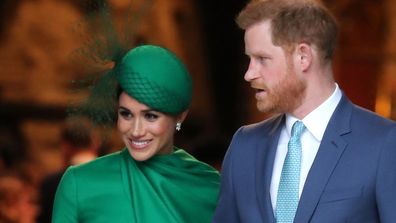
178,126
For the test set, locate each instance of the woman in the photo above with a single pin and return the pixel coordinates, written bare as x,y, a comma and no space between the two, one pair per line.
150,180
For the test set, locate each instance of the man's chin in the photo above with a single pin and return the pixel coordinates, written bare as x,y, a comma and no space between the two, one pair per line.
264,107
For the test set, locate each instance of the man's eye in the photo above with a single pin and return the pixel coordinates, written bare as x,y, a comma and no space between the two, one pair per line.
262,60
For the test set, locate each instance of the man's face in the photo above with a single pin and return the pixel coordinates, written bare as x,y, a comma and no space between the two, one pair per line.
271,72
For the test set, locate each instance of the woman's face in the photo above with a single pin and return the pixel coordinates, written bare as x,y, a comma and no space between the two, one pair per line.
145,132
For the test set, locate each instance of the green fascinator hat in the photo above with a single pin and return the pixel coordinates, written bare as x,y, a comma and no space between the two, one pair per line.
154,76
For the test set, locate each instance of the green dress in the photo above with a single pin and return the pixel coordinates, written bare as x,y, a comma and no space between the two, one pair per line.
173,188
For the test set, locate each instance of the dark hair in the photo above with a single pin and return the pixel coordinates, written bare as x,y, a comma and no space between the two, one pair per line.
77,132
293,22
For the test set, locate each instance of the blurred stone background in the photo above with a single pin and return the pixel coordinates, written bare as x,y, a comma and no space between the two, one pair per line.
39,38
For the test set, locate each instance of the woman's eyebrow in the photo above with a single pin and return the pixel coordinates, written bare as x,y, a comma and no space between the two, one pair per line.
123,108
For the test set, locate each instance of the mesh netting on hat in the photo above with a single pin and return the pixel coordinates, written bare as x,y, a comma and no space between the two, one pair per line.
102,45
153,95
154,76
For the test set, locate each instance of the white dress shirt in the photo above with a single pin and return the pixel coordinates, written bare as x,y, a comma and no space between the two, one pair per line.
315,123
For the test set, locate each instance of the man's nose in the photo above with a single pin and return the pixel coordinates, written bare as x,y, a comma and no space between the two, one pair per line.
251,72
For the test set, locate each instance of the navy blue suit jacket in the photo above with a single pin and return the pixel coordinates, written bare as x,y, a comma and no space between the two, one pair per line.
352,179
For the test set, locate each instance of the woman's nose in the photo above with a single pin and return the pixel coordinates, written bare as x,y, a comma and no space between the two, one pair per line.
138,128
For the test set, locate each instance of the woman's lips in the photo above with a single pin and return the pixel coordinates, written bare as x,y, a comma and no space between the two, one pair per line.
139,144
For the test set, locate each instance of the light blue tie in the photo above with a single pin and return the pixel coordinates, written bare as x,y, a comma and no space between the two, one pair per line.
287,198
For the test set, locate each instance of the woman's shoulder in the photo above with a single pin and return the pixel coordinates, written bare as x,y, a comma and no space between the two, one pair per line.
187,161
103,164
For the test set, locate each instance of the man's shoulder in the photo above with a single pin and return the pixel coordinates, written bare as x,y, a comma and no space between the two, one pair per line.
267,125
349,110
353,118
371,118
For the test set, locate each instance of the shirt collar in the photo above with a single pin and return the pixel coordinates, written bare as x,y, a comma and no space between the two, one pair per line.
317,120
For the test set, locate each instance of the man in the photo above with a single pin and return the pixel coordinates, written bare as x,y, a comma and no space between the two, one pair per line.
78,145
340,166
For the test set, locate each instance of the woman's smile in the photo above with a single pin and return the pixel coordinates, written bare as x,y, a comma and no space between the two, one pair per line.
139,144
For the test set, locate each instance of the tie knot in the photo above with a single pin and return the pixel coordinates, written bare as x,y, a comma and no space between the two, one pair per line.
297,129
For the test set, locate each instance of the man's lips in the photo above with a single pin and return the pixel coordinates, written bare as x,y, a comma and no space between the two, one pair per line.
259,92
257,87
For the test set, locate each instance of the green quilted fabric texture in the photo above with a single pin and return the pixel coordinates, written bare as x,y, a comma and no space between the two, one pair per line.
155,77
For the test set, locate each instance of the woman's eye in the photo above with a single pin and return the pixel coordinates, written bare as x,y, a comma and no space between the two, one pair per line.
125,114
151,116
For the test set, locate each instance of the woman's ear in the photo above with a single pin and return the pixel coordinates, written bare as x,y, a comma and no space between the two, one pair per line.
304,56
180,118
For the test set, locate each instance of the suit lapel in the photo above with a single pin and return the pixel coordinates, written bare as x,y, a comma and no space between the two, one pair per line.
265,155
330,151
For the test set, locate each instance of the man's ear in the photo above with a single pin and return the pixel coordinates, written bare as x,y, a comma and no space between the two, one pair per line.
304,56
